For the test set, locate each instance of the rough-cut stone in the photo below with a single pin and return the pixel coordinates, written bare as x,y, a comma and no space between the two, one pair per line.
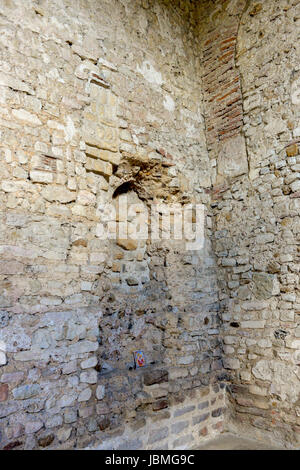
14,83
63,434
104,423
100,392
266,285
88,363
200,418
85,395
46,440
158,435
3,392
33,426
231,363
54,421
179,427
41,176
203,405
26,391
184,410
160,405
233,157
128,244
98,166
89,377
156,377
292,150
70,416
183,441
198,117
27,117
4,319
3,359
58,194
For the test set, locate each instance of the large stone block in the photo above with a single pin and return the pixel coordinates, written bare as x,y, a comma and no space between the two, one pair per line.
26,391
128,244
232,160
14,83
265,285
59,194
177,428
156,377
26,116
157,435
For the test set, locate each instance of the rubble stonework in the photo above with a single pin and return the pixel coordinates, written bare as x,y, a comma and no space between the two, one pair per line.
150,101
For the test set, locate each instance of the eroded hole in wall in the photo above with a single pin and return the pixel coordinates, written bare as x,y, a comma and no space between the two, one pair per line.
123,189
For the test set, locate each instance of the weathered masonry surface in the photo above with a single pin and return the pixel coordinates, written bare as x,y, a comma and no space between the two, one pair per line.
162,101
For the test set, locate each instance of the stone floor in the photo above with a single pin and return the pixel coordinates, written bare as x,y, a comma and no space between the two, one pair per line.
231,442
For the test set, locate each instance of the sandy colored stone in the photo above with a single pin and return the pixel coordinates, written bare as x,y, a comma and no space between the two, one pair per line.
128,244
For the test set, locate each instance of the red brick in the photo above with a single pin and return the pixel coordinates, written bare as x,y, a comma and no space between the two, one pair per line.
233,38
3,392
